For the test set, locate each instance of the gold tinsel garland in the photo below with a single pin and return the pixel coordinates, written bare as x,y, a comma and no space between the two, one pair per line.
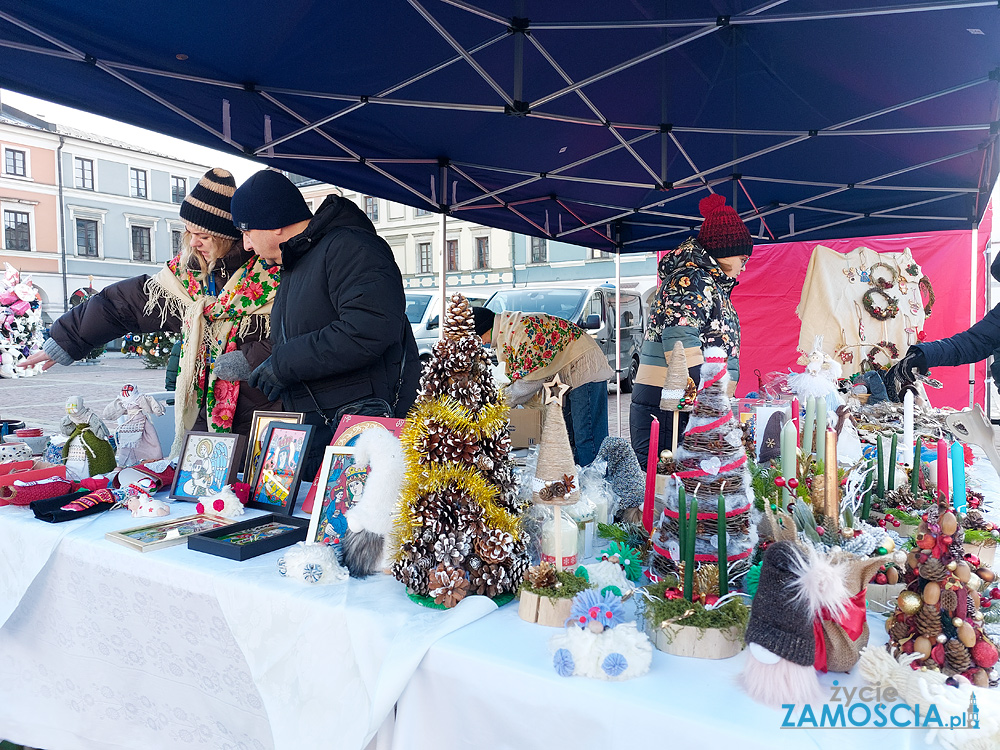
428,478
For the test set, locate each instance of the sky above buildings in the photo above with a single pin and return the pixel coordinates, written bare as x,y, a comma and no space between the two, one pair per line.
146,139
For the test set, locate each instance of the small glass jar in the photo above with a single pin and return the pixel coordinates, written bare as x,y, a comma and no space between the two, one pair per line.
569,534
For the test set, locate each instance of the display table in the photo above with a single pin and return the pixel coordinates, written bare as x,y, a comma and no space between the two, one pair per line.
105,647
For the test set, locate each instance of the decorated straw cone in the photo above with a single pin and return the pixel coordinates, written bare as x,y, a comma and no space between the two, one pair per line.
555,456
677,378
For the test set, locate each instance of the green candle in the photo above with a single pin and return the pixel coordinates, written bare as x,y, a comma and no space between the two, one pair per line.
689,558
866,504
880,486
681,519
723,551
891,481
915,476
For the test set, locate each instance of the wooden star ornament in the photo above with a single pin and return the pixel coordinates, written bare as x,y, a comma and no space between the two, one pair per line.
555,390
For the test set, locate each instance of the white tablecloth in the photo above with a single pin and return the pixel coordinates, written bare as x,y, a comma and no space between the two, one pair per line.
107,647
492,685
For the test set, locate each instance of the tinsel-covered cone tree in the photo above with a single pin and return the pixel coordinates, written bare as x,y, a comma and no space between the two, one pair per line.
712,459
938,614
459,527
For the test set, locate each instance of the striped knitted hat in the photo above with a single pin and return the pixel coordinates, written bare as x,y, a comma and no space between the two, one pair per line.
207,207
723,233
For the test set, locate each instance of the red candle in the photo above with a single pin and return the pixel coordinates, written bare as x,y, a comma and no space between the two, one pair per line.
942,470
795,419
651,461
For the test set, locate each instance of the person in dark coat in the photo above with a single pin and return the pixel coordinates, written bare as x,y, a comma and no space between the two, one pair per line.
173,365
216,292
972,345
341,342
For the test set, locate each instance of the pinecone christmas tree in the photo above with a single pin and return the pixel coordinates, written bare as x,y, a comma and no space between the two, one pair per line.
938,615
459,529
712,459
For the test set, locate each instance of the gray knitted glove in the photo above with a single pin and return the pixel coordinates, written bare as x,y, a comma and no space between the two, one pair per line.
232,366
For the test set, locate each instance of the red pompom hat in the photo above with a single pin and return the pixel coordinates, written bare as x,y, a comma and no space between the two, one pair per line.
723,233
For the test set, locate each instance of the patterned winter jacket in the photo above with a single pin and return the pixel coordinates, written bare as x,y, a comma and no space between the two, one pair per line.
692,305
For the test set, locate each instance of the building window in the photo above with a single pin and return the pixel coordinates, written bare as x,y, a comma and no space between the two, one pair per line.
178,189
14,163
137,180
83,169
539,250
86,238
421,212
482,252
452,255
176,242
424,257
599,254
142,248
371,208
16,230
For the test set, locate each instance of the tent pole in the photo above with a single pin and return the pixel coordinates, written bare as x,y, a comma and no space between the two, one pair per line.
443,281
972,306
618,337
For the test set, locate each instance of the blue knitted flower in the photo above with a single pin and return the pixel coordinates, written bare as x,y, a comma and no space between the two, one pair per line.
562,660
614,664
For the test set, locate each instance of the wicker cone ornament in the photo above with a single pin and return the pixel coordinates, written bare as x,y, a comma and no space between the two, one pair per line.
677,377
555,483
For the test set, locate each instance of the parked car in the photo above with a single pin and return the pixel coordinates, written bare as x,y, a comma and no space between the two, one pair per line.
590,307
423,310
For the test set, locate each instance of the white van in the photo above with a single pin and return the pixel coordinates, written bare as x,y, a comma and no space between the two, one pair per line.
423,310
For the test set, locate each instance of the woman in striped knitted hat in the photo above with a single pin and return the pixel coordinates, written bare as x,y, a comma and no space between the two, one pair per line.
215,293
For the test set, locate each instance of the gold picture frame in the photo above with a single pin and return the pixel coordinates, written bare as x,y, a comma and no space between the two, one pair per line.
258,425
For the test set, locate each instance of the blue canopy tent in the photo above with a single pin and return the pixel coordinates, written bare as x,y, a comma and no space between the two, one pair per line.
596,122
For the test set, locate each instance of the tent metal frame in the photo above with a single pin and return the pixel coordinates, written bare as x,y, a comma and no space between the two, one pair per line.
626,135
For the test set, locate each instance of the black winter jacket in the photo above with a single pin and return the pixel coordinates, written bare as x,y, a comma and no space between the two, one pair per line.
972,345
119,309
338,325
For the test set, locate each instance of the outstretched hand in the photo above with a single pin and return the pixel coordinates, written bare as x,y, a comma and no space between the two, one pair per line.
36,358
901,377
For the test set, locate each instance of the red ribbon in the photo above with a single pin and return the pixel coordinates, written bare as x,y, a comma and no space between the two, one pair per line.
853,623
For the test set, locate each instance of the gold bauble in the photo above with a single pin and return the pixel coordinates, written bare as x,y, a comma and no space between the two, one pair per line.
957,622
952,565
889,545
909,602
666,454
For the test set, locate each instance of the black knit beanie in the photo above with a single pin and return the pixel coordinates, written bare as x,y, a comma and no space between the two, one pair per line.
207,207
483,318
770,439
779,621
723,233
268,200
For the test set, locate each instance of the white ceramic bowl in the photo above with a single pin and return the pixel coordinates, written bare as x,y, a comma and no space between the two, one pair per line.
36,444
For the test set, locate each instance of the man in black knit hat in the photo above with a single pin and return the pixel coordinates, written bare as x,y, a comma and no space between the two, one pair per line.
341,341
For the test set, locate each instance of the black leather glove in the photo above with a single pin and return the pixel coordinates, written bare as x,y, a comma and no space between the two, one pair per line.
266,381
900,377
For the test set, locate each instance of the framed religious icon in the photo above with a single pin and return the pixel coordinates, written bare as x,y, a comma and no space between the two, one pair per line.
261,419
207,463
279,471
339,483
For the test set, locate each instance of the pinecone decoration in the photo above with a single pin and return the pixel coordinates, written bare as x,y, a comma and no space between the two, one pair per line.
451,548
448,585
932,570
899,630
518,563
411,575
949,601
974,519
490,580
901,497
928,621
495,546
542,576
957,656
458,321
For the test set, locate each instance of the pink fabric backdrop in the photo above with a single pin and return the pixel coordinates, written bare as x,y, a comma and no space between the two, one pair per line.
771,285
